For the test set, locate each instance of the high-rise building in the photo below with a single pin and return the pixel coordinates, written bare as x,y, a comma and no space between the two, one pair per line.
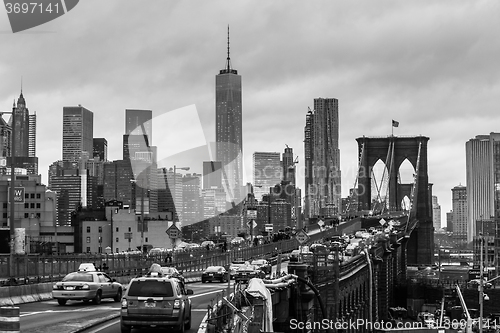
170,192
449,221
78,133
25,139
228,128
139,122
288,165
212,174
117,184
322,158
191,199
436,213
100,149
460,216
482,156
267,172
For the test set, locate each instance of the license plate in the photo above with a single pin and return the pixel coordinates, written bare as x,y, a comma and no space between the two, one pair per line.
70,288
150,305
210,275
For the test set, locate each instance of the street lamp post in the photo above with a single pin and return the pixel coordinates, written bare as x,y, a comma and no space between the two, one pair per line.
481,277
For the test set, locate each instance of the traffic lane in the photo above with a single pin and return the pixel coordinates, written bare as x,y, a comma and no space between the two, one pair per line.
49,316
204,295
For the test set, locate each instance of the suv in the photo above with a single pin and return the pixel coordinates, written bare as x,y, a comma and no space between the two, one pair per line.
155,300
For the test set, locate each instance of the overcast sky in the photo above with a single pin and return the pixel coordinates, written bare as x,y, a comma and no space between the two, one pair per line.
431,65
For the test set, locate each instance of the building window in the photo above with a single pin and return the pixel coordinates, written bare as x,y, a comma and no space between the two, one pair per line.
100,250
129,229
100,229
117,250
146,240
32,195
117,239
26,215
4,215
88,249
88,239
26,205
38,215
38,205
38,196
32,205
4,205
88,229
26,195
117,229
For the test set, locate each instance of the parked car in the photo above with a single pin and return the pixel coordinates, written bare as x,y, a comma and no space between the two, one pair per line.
263,265
214,273
85,285
156,300
245,273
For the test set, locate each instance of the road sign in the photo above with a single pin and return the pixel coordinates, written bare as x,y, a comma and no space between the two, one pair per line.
251,224
251,213
302,237
173,232
18,194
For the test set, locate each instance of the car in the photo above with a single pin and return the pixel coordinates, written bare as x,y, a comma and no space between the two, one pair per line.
172,272
155,300
245,273
263,265
235,265
87,284
214,273
426,318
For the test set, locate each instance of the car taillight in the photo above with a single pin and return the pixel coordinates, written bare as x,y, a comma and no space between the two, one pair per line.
124,303
85,287
177,304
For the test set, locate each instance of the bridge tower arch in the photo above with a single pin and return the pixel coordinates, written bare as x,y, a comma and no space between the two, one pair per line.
393,151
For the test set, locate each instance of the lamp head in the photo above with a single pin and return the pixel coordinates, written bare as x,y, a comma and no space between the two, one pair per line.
486,297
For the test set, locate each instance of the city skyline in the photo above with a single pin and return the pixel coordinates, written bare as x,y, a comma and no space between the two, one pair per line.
382,62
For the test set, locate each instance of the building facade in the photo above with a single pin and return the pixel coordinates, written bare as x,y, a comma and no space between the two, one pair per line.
460,213
482,156
436,213
78,133
100,149
191,199
267,172
228,129
212,174
322,158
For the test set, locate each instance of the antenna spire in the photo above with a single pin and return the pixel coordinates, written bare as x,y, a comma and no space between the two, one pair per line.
228,61
21,84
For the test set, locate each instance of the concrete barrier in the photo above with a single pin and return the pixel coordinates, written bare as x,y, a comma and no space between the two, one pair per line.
5,296
34,292
45,291
26,294
9,319
15,294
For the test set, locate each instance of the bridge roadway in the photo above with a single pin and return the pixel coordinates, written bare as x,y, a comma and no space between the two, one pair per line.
50,317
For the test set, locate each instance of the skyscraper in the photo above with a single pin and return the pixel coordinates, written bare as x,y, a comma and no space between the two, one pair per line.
267,172
25,138
288,165
436,213
228,128
78,133
212,174
139,122
101,148
459,213
322,159
482,157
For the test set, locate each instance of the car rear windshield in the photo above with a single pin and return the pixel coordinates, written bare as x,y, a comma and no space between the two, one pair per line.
78,277
213,269
151,288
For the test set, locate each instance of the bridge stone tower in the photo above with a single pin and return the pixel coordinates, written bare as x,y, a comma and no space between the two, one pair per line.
393,151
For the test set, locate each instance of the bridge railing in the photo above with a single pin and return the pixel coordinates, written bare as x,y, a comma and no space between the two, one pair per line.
45,268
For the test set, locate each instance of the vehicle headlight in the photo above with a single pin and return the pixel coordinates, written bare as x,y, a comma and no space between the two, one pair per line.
55,287
177,304
85,287
124,303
